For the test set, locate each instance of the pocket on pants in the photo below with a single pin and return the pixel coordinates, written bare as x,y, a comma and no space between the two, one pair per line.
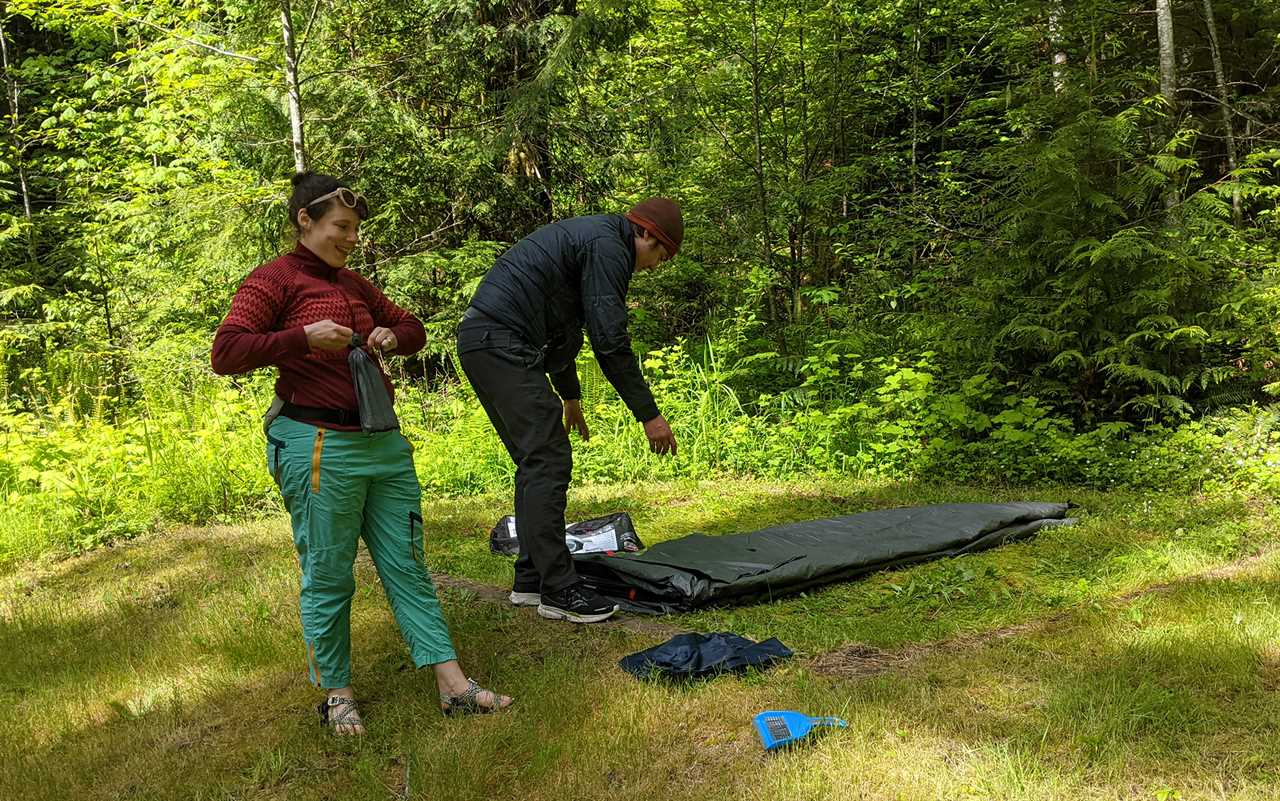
499,344
417,539
473,339
274,446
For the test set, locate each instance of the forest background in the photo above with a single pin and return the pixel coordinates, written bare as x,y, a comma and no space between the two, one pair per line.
986,242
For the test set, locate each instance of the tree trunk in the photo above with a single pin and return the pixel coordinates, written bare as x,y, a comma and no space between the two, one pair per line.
510,67
1168,61
106,297
1055,40
291,82
1168,78
1224,100
757,132
805,159
17,144
915,99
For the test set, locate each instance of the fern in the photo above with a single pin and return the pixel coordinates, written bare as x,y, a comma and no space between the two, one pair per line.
1143,376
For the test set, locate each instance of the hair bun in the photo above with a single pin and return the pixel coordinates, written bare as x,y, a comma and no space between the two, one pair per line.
299,177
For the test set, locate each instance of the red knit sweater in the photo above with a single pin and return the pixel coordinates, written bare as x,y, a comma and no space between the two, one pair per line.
265,327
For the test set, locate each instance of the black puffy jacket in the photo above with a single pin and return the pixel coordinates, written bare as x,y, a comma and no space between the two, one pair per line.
563,276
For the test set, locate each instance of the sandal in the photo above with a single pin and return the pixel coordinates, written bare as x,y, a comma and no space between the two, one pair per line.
336,711
467,702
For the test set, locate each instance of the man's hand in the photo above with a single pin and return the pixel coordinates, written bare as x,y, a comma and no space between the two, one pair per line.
574,420
661,440
327,335
382,339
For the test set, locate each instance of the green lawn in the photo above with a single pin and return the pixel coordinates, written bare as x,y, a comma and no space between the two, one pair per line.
171,667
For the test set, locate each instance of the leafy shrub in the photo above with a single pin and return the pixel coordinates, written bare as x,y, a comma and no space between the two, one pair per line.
192,451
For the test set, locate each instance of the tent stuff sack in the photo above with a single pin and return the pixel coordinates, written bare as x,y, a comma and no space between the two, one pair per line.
376,411
606,534
697,570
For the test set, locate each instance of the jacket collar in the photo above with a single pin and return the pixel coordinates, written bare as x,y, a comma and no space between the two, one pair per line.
311,264
629,239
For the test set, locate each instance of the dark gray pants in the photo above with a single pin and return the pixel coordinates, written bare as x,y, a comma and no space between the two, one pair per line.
508,379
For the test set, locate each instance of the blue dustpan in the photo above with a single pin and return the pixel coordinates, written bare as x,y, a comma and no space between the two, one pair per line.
780,728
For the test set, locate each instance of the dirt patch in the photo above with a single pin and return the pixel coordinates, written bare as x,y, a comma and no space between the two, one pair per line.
859,660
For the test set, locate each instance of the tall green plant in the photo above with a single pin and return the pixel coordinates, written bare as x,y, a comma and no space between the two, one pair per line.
1101,297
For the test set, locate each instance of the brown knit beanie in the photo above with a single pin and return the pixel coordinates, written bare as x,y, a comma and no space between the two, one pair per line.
660,216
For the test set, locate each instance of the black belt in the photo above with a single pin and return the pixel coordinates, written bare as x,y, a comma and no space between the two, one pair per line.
337,417
489,333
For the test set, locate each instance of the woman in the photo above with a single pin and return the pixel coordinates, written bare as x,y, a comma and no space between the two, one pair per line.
299,313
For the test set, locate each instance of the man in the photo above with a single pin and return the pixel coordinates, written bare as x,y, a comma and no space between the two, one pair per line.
525,324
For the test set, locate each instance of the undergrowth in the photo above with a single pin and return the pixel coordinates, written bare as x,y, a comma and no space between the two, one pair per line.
100,461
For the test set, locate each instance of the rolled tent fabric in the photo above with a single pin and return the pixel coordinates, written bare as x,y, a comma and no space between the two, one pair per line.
700,570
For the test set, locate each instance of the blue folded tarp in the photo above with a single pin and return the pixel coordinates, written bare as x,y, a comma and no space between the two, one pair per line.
691,656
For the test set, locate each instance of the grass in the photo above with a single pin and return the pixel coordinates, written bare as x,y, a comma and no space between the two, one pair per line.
171,667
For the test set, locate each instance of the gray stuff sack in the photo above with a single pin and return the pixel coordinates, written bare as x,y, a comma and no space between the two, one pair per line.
376,410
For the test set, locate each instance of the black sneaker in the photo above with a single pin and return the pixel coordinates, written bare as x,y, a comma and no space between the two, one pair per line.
525,595
576,604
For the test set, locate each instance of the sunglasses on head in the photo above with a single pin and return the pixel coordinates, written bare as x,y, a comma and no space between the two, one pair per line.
348,198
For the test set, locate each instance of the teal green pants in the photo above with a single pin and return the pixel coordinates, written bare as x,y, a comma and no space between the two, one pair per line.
340,486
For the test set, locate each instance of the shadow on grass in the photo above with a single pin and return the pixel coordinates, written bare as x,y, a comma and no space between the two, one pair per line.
128,598
1182,696
253,733
199,654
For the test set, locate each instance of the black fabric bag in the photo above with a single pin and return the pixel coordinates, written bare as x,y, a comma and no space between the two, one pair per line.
606,534
692,656
376,411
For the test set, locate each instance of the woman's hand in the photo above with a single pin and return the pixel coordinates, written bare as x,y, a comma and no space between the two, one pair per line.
382,339
574,419
327,335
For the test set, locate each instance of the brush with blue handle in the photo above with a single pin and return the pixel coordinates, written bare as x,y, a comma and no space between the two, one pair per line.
779,728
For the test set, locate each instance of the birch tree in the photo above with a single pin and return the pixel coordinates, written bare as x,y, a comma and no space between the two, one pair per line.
1224,100
291,84
1168,62
12,92
1168,73
1059,57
